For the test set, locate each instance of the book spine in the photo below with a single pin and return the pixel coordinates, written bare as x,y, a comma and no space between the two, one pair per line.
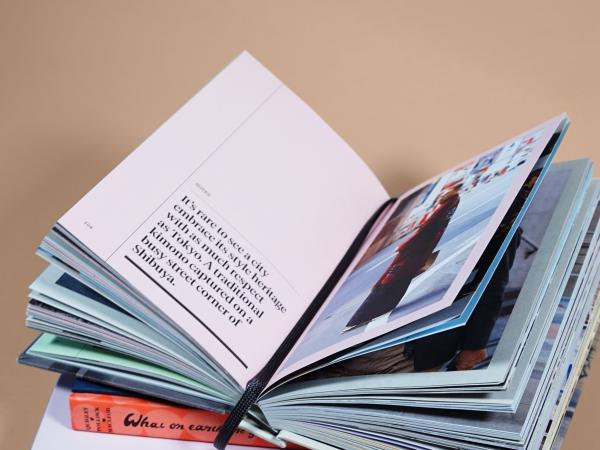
102,413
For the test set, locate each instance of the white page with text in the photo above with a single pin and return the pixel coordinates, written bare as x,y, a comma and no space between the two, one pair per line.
232,215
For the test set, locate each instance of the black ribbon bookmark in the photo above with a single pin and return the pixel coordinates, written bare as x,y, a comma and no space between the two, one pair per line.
258,384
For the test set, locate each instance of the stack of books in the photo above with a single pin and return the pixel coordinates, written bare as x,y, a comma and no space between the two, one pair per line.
244,277
55,432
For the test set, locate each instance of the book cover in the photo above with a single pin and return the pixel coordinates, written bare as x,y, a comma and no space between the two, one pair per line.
120,414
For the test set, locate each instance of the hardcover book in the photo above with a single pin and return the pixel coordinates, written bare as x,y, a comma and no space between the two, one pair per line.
100,409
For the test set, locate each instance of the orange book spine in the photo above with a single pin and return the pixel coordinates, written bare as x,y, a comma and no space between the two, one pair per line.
116,414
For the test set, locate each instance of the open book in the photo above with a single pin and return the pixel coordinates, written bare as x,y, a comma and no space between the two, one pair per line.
243,257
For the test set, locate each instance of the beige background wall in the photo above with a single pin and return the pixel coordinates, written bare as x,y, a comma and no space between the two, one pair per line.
414,87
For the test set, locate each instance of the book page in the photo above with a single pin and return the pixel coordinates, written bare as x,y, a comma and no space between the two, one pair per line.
421,256
232,215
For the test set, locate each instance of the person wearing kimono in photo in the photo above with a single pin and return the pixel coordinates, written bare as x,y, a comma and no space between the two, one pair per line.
460,348
411,257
